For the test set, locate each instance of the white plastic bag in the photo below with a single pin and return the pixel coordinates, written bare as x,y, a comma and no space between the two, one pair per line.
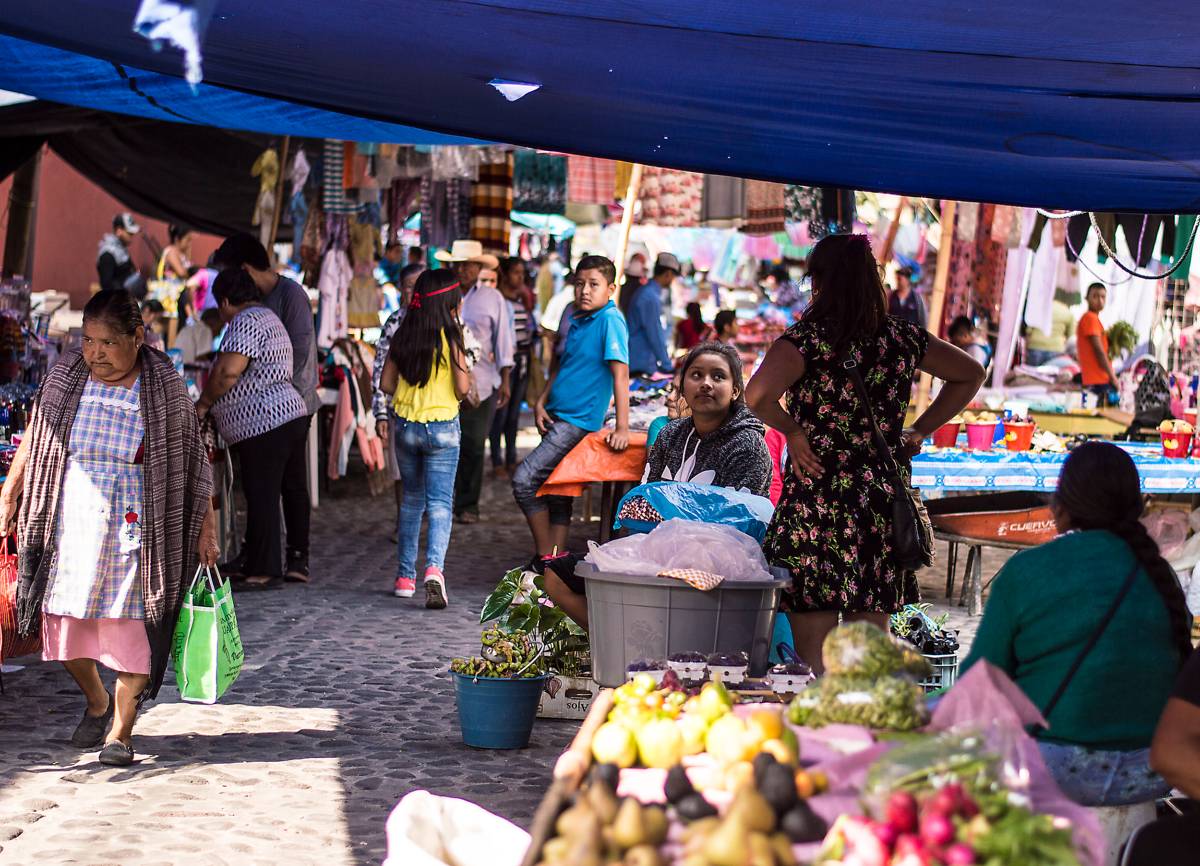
678,543
426,830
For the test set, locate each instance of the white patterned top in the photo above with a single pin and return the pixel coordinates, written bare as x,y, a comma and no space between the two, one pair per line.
264,397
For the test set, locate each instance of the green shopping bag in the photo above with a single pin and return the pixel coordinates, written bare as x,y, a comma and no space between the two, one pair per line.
207,646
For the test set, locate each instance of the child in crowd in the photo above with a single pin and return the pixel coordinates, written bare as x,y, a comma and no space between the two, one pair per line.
963,334
726,325
592,370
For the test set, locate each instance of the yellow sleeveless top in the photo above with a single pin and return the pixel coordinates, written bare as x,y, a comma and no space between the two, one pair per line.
436,401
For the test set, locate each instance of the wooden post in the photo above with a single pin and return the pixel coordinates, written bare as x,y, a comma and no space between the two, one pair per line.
631,196
22,195
283,157
938,299
885,254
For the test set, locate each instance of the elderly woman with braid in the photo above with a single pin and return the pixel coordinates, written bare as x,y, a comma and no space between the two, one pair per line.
1094,628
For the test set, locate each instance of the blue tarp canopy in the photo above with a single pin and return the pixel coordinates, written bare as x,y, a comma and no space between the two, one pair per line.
1089,104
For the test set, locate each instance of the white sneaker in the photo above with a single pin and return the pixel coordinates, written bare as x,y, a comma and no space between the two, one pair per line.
435,588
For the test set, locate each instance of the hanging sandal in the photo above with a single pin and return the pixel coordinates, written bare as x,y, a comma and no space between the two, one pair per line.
116,754
91,730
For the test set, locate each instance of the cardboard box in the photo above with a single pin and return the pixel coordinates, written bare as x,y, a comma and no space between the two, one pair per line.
567,698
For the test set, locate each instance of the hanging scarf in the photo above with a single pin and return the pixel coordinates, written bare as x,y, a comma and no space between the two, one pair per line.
178,482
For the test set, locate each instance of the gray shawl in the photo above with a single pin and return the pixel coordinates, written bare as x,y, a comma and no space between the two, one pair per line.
177,483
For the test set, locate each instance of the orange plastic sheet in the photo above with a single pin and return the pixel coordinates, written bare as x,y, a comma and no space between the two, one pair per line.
592,460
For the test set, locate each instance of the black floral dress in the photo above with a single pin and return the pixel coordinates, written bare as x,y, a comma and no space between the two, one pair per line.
834,533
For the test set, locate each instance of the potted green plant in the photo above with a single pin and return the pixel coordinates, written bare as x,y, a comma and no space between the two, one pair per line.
499,689
519,602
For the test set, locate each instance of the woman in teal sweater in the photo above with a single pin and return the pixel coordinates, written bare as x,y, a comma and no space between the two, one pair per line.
1045,605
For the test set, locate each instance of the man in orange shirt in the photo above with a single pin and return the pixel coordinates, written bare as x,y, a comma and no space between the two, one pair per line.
1092,344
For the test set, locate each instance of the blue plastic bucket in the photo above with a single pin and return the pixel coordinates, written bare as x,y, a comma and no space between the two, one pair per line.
497,712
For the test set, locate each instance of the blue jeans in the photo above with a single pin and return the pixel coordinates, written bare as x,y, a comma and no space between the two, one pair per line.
1037,357
536,468
427,455
1094,777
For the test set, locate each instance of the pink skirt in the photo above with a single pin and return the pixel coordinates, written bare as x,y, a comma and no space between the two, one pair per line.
119,644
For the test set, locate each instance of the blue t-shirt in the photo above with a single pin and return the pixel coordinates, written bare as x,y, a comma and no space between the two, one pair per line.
583,387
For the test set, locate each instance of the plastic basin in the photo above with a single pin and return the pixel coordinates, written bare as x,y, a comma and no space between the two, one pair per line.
1176,444
981,436
497,712
1018,436
639,616
946,436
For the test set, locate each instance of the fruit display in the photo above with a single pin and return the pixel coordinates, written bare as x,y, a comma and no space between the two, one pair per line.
1174,425
690,666
730,667
502,654
789,679
979,417
655,668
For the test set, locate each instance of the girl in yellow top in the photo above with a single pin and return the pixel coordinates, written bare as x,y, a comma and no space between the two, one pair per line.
427,372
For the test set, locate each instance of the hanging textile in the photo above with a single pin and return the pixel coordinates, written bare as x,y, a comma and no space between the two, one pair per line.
966,221
445,211
990,264
364,298
411,162
670,197
334,283
960,238
455,162
1002,223
266,169
764,208
312,242
803,204
400,200
491,207
297,212
723,198
590,180
539,182
333,193
1013,303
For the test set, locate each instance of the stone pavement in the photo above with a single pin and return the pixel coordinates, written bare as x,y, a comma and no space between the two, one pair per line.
344,706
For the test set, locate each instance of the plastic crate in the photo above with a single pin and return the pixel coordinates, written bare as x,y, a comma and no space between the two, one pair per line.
636,616
945,671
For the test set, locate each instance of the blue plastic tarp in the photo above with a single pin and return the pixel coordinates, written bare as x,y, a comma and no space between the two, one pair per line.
1088,104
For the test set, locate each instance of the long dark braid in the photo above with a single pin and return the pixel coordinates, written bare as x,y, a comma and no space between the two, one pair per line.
1099,489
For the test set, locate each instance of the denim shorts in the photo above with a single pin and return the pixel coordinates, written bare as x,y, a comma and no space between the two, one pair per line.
1097,777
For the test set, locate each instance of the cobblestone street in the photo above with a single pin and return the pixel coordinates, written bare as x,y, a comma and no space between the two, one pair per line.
343,707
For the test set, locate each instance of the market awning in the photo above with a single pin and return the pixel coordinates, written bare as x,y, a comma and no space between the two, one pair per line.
1077,103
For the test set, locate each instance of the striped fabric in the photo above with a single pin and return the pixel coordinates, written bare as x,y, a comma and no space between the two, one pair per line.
765,208
491,206
333,192
591,180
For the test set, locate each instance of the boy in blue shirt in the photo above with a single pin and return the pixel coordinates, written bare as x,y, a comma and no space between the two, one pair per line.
593,369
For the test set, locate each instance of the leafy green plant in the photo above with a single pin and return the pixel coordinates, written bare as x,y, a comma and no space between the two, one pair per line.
520,603
1121,338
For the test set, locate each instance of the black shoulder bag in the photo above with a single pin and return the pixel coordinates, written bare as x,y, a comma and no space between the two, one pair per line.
912,533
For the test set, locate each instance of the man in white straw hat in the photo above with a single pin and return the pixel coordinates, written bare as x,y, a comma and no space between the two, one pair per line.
487,314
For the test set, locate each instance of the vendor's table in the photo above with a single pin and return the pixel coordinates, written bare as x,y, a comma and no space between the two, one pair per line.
973,583
955,469
593,461
1103,422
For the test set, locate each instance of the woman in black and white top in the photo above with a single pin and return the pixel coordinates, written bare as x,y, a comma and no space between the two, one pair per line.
260,414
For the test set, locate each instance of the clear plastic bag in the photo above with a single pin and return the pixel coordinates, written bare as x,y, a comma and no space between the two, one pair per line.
861,649
714,548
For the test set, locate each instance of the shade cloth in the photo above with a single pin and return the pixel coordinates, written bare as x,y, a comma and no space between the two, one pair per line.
592,460
952,469
1079,103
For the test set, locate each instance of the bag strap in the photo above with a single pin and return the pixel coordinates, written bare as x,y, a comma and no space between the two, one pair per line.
1096,634
880,441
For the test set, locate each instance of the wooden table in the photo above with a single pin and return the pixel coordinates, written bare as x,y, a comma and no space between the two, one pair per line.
973,583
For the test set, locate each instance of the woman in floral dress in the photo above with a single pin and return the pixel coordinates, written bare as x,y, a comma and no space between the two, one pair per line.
832,527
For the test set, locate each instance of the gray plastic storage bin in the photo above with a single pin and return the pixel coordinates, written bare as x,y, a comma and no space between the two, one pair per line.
638,616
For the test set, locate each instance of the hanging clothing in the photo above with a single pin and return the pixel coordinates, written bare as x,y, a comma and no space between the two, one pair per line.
765,210
334,288
802,203
491,207
400,200
723,198
445,211
670,197
455,162
539,182
590,180
333,199
266,169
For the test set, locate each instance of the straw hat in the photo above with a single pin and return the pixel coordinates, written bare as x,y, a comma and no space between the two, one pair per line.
468,251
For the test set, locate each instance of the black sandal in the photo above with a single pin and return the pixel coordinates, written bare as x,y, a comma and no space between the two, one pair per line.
91,730
116,754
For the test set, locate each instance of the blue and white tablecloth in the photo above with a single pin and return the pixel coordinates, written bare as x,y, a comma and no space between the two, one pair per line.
953,469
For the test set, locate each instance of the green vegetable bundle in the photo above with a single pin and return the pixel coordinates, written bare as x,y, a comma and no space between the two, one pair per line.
503,654
861,649
884,703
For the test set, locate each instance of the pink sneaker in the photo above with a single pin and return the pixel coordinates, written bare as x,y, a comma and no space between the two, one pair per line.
435,588
406,587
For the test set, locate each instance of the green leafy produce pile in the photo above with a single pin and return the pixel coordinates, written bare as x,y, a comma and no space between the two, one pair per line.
503,654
